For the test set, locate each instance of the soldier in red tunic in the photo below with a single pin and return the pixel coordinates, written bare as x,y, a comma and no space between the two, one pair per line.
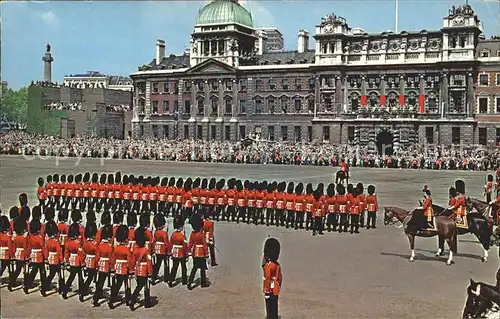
117,187
170,197
70,192
318,212
36,244
488,188
54,257
122,266
251,202
105,221
131,223
19,249
73,257
49,189
162,195
78,192
331,219
372,207
208,230
94,191
270,204
86,192
136,194
272,277
62,226
354,211
64,188
153,195
241,202
230,212
89,256
342,208
299,206
260,203
187,200
360,190
41,193
211,198
143,270
309,205
5,246
221,200
56,191
110,193
179,251
102,193
161,248
290,205
198,249
280,205
103,259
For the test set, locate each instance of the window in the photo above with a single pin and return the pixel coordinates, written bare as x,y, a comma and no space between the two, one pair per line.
201,86
155,87
498,105
187,106
350,134
270,131
166,107
243,84
483,105
259,85
483,136
199,132
298,84
214,107
243,106
213,132
176,87
485,54
258,106
284,84
497,81
155,131
141,130
483,79
227,132
326,133
310,105
455,135
215,85
284,133
187,86
298,106
497,139
166,87
165,131
297,134
309,134
429,134
176,106
272,84
155,107
186,132
228,107
463,41
271,105
229,85
284,105
242,132
457,80
328,104
201,108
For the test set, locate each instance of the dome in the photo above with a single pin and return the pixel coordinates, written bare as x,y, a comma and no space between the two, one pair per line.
224,11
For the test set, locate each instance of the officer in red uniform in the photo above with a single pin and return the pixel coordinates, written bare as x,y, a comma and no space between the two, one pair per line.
86,192
428,210
208,231
290,205
64,188
170,197
272,277
53,255
195,192
203,196
187,200
70,192
309,205
41,193
161,248
198,249
342,207
461,203
5,245
19,249
73,257
372,207
136,194
110,193
105,221
78,192
331,219
178,196
488,188
117,222
153,195
103,259
117,187
145,222
318,213
56,191
49,189
36,245
211,198
251,202
62,227
344,168
260,199
122,266
360,190
143,270
89,256
131,223
299,206
179,251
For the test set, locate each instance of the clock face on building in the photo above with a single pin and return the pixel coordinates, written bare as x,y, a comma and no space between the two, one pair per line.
459,20
328,28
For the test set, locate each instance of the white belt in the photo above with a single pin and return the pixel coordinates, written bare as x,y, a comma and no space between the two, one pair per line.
104,258
33,250
143,263
90,256
121,261
4,248
52,253
73,255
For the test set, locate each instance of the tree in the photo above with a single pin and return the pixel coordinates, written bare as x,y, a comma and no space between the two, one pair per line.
14,104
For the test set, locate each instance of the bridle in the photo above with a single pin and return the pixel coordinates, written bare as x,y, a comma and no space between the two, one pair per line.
391,220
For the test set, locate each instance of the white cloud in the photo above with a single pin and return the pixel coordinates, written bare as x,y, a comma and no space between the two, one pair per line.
49,18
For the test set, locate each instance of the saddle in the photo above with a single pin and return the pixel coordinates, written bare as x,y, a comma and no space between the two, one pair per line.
433,228
461,223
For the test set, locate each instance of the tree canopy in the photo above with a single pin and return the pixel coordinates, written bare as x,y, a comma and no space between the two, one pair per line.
14,105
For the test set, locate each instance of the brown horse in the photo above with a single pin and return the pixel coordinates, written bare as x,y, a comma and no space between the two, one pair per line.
341,176
445,229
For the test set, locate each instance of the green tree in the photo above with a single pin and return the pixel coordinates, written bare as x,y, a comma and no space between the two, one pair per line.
14,104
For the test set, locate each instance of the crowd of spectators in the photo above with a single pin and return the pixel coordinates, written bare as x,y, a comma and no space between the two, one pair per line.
119,108
73,106
249,152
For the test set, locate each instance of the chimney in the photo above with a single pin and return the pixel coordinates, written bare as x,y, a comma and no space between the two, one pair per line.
303,42
160,51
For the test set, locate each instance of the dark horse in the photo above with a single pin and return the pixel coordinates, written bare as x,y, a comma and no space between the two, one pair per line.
341,176
445,229
483,301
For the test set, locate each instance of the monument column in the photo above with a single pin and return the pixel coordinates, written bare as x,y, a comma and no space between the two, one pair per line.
47,66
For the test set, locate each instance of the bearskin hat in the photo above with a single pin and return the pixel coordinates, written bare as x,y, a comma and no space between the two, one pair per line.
317,195
360,187
86,177
187,184
340,189
146,181
164,181
196,182
13,212
106,218
171,181
350,188
51,228
95,178
245,183
55,178
309,189
156,181
76,216
140,179
460,186
204,183
211,184
131,219
144,220
355,192
106,232
49,178
272,249
110,179
63,178
25,213
290,188
180,183
20,225
230,184
62,216
281,187
321,187
49,213
23,199
371,189
118,217
140,236
90,230
330,190
220,184
74,230
102,179
125,180
265,184
178,222
35,226
452,192
239,186
91,218
196,222
299,189
131,179
37,213
121,234
427,192
4,224
40,181
118,178
270,188
70,178
490,178
159,221
250,186
78,178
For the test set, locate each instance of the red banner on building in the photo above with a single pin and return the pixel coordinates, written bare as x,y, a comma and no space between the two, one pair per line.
363,99
401,100
382,100
421,103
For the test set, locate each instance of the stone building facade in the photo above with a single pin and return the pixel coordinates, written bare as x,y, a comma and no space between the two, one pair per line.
367,89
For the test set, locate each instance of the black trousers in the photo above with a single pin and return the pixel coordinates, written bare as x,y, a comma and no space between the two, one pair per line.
91,276
153,206
211,249
73,272
241,213
53,270
161,208
309,220
219,212
159,260
270,214
318,225
175,266
117,285
299,219
331,222
279,217
230,213
201,264
354,223
136,205
343,222
290,218
35,268
101,279
271,306
142,282
372,218
5,265
20,266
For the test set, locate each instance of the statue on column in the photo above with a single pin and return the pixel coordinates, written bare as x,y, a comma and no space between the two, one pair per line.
48,48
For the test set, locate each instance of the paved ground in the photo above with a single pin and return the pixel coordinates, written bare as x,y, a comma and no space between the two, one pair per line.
333,276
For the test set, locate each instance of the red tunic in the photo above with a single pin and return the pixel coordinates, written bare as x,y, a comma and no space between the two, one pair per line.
241,199
355,206
110,191
94,190
162,193
362,202
89,252
309,202
5,246
211,197
330,202
86,190
63,232
143,264
272,278
197,246
371,203
73,253
35,248
208,230
187,200
231,197
171,194
179,192
178,244
126,192
20,247
427,207
41,193
221,197
289,201
131,238
64,188
270,200
70,190
102,191
161,243
122,260
136,192
260,199
299,203
342,204
56,191
50,188
280,200
103,258
319,209
53,252
153,193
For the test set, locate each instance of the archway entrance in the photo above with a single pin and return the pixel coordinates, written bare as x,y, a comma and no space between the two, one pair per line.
385,143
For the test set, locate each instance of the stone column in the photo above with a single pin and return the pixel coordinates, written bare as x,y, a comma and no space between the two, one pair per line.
47,65
221,105
317,100
338,96
194,104
235,106
443,94
345,94
383,87
206,106
470,95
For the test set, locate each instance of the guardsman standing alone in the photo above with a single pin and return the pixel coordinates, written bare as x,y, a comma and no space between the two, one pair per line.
372,207
272,277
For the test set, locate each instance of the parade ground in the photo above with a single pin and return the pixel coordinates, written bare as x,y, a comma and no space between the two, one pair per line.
364,275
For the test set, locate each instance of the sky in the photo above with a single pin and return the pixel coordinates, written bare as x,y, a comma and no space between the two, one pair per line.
115,37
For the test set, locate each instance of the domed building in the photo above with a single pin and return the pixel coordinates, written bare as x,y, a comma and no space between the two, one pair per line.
380,91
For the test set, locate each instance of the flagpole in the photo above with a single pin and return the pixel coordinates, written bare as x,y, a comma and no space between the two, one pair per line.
397,16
